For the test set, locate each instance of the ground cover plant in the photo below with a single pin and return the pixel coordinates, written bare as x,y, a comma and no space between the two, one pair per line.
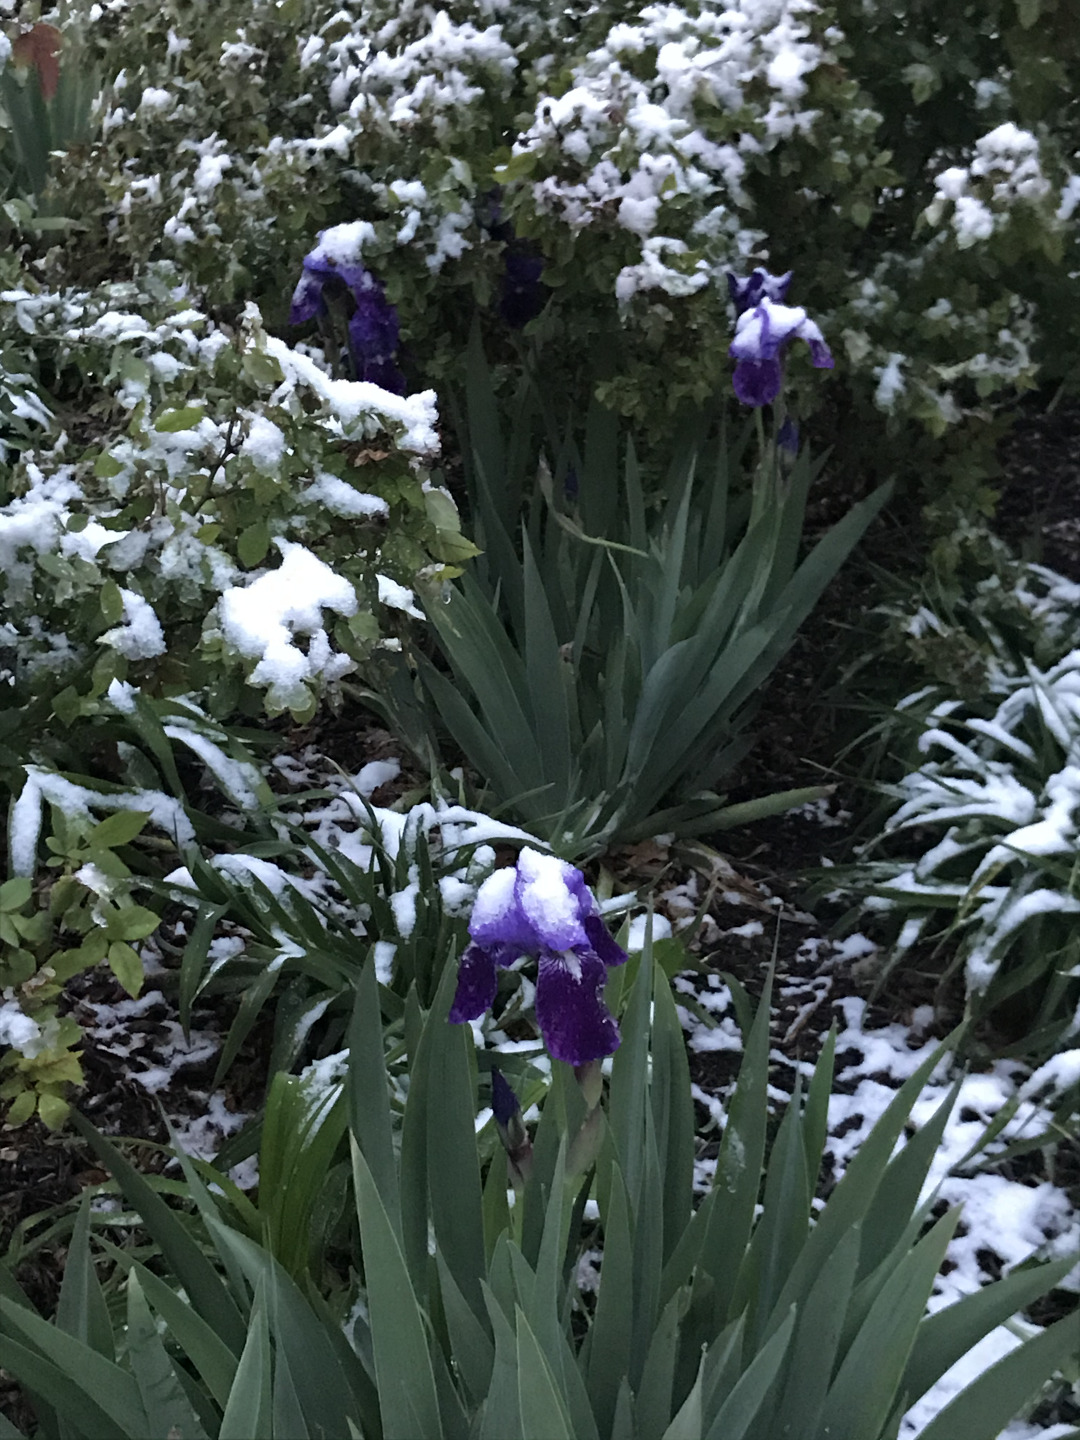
989,782
446,364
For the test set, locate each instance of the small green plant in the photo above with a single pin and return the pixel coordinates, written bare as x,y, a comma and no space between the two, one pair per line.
84,855
81,915
235,529
303,939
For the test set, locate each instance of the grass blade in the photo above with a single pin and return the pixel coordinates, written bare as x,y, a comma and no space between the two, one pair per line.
368,1096
948,1334
75,1378
81,1310
543,1413
985,1408
866,1387
168,1412
751,1392
406,1383
208,1294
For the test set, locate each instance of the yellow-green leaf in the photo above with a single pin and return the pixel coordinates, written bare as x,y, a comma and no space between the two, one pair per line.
15,893
170,421
111,602
134,922
21,1108
105,466
119,828
253,543
263,369
53,1111
126,966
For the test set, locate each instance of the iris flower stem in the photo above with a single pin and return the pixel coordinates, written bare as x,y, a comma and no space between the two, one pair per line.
759,427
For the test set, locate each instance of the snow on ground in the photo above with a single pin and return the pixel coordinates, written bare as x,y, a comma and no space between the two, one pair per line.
1005,1221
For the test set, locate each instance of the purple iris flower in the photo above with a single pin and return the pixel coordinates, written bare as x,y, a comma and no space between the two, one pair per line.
373,329
760,335
543,907
747,292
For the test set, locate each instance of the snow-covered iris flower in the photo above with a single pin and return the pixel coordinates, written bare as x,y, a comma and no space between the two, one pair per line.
747,291
373,326
760,335
542,907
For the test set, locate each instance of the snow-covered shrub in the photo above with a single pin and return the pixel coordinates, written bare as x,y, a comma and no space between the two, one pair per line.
915,165
195,503
985,836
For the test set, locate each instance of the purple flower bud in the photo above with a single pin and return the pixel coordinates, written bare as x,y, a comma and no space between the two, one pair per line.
787,438
543,907
511,1128
504,1103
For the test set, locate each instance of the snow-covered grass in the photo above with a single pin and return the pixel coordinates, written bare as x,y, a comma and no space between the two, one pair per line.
986,823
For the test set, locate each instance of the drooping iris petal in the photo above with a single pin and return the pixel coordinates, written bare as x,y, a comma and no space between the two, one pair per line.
787,438
374,327
477,981
757,382
605,947
373,336
383,373
373,330
576,1024
553,898
307,300
820,354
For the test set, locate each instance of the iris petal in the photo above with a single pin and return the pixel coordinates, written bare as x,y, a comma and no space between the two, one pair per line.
757,382
609,952
553,899
307,300
497,917
748,291
504,1103
576,1024
477,980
